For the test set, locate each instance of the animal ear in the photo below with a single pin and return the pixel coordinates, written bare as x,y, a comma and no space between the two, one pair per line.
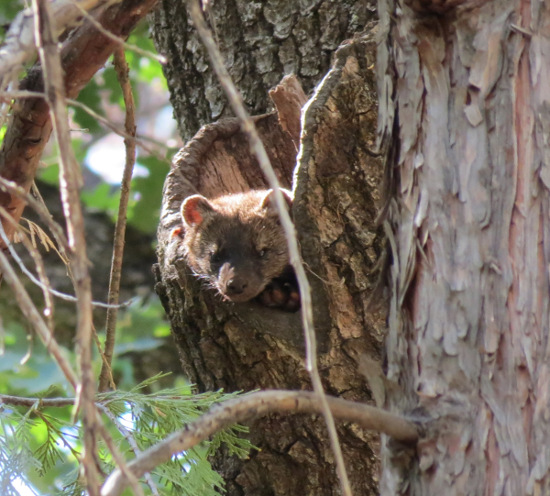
194,209
268,200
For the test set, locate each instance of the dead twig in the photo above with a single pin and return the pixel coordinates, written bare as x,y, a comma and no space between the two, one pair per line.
105,377
256,145
140,140
39,207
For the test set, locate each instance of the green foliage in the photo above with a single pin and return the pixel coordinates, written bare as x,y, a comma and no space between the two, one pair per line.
144,209
26,367
140,322
15,454
140,328
144,205
41,441
103,198
90,96
149,71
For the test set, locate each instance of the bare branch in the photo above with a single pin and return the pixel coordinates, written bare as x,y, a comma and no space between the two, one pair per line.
256,145
7,399
121,43
120,229
140,140
8,96
252,406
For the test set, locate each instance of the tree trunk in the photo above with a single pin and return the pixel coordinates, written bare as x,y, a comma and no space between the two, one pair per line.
246,346
261,42
464,89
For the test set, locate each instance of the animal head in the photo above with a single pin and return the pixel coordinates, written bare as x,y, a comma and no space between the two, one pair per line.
235,242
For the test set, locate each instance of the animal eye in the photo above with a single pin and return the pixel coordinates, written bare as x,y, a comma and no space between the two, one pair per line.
263,252
215,255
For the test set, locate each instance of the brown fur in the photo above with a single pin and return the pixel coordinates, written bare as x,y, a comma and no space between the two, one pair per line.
235,242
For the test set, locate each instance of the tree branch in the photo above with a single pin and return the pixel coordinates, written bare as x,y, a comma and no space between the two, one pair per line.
105,377
252,406
7,399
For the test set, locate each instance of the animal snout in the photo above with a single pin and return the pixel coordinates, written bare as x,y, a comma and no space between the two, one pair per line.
236,285
239,284
232,283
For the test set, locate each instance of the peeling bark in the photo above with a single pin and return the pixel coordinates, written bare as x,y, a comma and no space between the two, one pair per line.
466,97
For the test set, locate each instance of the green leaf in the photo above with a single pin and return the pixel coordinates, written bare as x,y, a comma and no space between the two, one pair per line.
112,86
89,96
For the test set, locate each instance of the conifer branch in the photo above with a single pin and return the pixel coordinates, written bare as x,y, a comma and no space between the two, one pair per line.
252,406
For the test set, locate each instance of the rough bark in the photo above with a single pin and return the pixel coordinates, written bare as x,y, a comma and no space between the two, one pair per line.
466,97
261,42
245,346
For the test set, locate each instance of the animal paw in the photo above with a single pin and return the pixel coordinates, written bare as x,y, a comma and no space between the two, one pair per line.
282,294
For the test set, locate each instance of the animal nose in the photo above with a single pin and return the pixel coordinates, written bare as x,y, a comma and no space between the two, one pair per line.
236,285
